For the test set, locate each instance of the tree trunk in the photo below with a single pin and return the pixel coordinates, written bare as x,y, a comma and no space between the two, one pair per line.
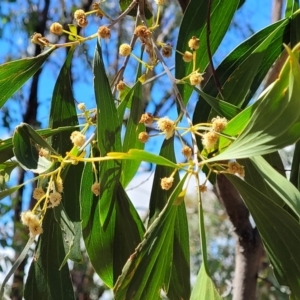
249,248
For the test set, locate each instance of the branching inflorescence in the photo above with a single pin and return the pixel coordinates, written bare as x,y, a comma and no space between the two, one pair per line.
49,195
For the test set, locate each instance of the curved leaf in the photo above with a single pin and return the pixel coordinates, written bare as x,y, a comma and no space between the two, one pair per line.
276,121
15,73
147,270
280,233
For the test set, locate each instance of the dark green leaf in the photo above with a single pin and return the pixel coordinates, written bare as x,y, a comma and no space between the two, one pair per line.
25,151
124,230
280,233
45,280
6,146
133,128
15,73
179,285
147,271
237,86
108,137
295,171
63,113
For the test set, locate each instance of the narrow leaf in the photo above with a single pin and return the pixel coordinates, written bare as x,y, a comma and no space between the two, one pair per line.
142,155
15,73
147,270
124,230
280,108
280,233
45,281
108,136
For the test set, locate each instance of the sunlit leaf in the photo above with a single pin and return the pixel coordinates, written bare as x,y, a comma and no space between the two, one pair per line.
73,29
204,287
5,171
276,121
142,155
15,73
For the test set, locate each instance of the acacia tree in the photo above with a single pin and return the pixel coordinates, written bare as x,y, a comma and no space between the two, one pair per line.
82,176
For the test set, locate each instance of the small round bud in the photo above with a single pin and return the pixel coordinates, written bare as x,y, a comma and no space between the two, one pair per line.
187,152
194,43
167,126
121,86
196,78
202,188
210,139
43,152
235,168
96,188
219,124
143,137
160,2
142,32
125,50
166,50
35,38
38,193
59,185
38,39
55,199
82,22
56,28
166,183
81,106
147,118
104,32
79,14
77,138
187,56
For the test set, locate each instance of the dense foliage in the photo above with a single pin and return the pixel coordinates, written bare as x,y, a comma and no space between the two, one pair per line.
236,130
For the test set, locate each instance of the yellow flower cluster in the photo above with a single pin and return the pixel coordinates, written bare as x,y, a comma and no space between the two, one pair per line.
167,126
31,220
